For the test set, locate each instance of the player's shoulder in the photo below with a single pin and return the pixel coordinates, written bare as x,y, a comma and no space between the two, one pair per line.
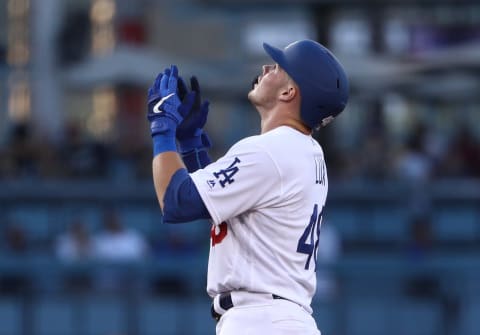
281,139
257,143
274,136
246,144
287,139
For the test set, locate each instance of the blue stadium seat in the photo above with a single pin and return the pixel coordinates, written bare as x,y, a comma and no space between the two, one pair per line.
63,217
345,220
419,318
34,220
470,316
459,223
389,224
192,231
326,315
202,322
105,315
55,317
140,219
163,316
366,315
10,316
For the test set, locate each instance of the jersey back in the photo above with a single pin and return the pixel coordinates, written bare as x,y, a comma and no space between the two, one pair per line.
265,197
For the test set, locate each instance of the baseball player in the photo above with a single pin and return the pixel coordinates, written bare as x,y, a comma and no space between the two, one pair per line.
264,197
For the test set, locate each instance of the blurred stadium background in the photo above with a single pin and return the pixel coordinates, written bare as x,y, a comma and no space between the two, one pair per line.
82,247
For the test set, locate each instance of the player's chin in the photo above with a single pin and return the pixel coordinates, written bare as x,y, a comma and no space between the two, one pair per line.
253,91
251,96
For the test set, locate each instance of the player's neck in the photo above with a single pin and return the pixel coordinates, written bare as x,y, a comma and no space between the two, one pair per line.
275,122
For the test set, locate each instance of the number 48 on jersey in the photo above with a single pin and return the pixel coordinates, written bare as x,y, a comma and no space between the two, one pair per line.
308,242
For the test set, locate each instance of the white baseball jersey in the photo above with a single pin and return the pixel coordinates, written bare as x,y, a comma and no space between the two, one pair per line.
265,197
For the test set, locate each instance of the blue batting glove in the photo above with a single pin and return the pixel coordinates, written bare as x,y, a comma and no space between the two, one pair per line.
190,133
166,110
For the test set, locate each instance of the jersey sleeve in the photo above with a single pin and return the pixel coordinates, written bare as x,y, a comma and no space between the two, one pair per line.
245,179
181,202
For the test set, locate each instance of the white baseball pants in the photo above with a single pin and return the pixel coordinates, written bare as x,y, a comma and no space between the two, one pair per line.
260,314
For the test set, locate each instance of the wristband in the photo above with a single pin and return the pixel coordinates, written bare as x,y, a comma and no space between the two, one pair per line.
196,159
163,142
198,142
190,144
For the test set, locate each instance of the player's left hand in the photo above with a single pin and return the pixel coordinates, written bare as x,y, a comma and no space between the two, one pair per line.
190,133
165,108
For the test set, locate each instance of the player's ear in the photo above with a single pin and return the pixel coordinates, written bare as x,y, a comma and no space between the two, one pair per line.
288,92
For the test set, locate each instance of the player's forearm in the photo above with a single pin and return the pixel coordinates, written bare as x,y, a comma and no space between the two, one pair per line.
164,166
174,114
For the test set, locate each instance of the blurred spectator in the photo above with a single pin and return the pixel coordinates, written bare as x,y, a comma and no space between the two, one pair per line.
423,157
5,162
421,241
75,244
15,246
21,152
463,158
182,243
49,164
414,163
118,248
374,158
117,243
130,160
423,284
15,241
82,157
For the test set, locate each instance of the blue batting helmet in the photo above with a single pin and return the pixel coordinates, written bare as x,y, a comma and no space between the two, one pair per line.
320,76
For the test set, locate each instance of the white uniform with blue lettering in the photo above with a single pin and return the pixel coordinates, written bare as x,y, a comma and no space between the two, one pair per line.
265,197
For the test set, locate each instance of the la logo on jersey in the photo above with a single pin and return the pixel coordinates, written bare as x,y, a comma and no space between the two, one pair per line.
225,176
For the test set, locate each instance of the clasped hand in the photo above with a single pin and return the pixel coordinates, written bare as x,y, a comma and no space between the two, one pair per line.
165,109
173,109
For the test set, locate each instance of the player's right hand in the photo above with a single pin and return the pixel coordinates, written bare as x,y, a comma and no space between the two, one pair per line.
190,133
165,108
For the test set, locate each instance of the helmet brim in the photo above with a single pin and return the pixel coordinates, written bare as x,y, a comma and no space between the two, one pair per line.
276,54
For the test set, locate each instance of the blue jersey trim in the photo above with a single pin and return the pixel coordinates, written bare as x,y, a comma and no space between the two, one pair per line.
182,202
